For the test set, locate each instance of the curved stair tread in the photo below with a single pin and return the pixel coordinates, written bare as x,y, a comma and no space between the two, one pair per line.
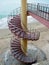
18,30
18,53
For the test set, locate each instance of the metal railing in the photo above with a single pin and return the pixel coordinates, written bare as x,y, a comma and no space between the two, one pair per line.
38,9
41,10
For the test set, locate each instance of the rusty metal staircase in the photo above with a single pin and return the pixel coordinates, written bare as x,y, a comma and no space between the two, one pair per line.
16,28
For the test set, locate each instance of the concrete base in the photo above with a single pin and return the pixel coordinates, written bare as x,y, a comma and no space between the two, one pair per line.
34,52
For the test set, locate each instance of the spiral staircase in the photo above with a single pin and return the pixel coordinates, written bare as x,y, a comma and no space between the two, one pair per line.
14,23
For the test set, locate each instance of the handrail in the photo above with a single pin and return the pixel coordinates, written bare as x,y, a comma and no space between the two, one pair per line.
38,9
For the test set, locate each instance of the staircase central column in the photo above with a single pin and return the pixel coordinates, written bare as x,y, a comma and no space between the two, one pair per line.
24,24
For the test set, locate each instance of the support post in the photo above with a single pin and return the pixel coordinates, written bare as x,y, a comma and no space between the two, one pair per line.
24,24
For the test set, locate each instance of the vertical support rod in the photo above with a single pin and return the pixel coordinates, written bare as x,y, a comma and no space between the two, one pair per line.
24,24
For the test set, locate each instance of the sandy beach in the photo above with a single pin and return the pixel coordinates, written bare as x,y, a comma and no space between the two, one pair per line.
42,43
